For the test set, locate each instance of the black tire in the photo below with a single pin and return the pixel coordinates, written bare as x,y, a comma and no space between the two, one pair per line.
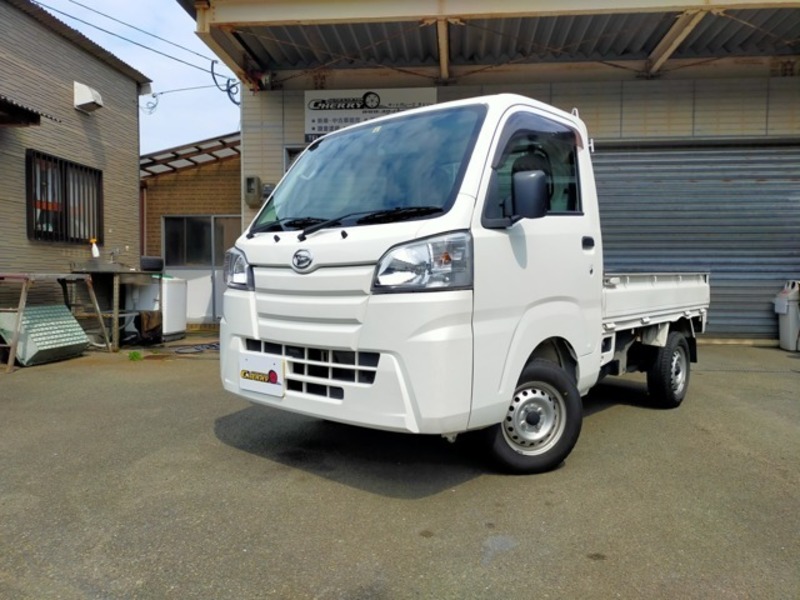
668,376
542,423
371,100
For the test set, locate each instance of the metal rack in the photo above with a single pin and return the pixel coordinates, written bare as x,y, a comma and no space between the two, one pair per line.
26,280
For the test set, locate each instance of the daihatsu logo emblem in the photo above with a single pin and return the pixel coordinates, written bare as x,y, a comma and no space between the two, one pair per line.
302,260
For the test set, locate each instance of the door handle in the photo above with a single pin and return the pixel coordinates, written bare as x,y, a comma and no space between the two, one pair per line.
587,242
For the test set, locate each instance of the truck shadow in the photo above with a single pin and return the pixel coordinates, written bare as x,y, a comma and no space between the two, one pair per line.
389,464
617,391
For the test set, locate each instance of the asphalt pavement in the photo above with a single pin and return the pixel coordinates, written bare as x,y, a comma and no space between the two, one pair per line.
123,478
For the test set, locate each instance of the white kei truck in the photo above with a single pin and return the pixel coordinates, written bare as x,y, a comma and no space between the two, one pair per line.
440,271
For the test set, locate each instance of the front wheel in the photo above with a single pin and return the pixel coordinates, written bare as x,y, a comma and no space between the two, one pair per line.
668,376
542,422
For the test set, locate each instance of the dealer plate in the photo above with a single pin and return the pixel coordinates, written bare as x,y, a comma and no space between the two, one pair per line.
262,373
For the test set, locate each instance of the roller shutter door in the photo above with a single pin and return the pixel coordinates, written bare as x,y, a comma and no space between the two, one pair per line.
731,211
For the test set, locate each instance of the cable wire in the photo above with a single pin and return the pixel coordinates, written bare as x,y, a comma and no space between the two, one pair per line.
231,87
121,36
151,105
153,35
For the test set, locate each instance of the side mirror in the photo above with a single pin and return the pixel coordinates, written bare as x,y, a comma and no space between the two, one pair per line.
530,194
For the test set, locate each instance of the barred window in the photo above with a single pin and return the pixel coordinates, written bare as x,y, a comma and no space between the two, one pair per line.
64,200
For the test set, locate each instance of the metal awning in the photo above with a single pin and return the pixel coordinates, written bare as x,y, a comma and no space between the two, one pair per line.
15,114
268,44
188,156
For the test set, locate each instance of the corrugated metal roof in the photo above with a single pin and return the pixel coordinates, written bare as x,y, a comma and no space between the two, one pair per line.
744,33
190,155
558,39
341,45
550,39
10,101
77,38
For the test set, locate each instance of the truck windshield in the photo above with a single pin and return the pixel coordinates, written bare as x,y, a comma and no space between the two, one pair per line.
411,162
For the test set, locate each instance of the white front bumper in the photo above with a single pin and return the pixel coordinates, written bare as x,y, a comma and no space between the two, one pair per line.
423,379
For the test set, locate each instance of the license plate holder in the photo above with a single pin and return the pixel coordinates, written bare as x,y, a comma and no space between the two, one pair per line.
262,373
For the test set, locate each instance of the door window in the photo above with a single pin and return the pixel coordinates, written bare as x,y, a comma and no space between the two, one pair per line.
534,143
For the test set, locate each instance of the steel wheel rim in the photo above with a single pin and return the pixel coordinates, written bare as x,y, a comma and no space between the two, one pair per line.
545,405
678,371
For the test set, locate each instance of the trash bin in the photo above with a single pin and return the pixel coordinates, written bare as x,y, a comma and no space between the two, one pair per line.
787,307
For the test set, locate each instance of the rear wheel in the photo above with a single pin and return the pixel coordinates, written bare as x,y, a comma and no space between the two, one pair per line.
542,422
668,376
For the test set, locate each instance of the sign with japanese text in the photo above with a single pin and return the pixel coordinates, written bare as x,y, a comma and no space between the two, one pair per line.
329,110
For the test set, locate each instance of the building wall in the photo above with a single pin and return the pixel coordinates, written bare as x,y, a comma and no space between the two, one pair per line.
271,122
211,189
37,69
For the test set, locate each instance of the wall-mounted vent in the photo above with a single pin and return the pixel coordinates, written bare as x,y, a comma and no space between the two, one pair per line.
87,99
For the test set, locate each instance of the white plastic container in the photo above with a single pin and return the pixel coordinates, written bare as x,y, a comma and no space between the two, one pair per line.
787,307
173,308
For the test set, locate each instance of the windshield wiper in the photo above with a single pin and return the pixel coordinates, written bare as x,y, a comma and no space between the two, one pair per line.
278,224
322,224
373,216
400,213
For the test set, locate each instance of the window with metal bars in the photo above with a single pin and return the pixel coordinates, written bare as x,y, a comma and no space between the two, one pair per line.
64,200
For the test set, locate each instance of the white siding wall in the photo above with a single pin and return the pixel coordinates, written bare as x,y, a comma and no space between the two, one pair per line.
270,123
37,69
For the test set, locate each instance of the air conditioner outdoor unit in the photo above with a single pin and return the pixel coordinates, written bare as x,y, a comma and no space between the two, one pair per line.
87,99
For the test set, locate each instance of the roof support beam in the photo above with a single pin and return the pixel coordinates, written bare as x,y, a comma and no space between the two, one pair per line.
443,37
207,34
304,12
679,31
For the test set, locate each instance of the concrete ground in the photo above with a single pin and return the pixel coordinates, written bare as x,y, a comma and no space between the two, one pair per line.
124,479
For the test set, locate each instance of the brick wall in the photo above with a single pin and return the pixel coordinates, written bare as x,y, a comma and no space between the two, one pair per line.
211,189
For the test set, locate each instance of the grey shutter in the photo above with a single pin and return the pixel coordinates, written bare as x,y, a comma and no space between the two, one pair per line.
733,211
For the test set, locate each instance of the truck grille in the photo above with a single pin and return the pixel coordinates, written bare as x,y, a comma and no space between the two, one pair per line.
317,371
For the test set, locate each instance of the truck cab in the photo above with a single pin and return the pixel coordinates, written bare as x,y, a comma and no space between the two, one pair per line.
435,271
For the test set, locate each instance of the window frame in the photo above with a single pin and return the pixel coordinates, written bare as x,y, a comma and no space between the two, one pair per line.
65,197
518,126
212,225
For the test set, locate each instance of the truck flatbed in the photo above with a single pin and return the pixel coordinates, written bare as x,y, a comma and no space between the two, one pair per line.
632,300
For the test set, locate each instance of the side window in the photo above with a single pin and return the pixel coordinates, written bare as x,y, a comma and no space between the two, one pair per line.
534,143
187,241
64,200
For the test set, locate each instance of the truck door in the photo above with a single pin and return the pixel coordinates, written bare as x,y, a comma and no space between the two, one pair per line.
535,279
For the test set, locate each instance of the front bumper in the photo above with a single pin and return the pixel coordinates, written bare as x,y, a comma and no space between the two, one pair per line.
405,365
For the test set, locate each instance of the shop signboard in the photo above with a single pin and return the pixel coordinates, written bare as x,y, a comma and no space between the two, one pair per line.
329,110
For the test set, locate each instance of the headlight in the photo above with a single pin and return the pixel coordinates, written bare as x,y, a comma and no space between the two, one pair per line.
238,274
438,263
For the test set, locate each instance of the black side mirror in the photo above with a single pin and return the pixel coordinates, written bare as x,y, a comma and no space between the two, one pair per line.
530,195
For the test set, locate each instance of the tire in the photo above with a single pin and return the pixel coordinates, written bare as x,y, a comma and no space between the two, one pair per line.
668,376
542,423
371,100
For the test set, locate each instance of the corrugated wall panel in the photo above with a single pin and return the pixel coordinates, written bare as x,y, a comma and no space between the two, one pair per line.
784,106
657,109
38,69
599,105
733,211
721,108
